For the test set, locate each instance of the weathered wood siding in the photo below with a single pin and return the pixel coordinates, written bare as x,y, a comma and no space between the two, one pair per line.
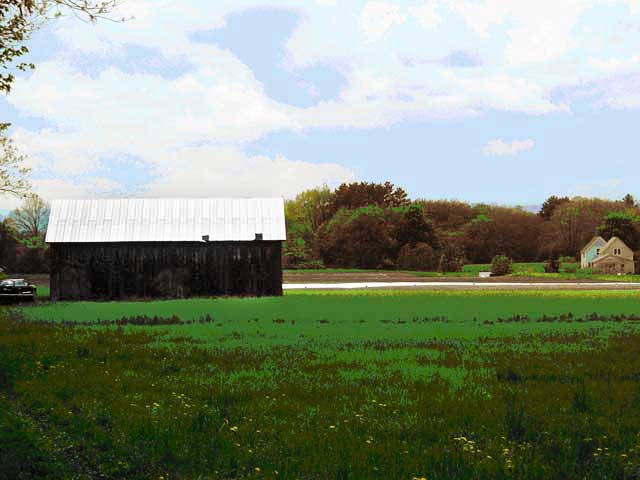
108,271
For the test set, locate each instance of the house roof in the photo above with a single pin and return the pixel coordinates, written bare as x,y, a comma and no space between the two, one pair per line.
610,256
605,252
611,241
166,220
591,242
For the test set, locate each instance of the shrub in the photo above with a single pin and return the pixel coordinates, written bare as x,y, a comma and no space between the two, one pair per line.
387,264
569,267
311,265
552,265
501,265
418,258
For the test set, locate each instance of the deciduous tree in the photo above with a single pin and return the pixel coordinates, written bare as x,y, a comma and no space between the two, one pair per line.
357,238
361,194
574,223
629,201
448,215
32,217
502,231
411,226
550,205
13,173
623,225
20,18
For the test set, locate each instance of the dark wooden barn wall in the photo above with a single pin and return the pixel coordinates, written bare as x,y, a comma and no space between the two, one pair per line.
165,269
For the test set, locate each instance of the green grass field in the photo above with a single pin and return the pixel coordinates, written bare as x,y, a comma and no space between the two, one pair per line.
367,315
348,384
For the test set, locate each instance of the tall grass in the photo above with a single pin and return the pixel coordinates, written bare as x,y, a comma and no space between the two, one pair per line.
520,397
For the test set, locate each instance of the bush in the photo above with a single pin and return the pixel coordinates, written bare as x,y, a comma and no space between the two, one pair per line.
417,258
501,265
311,265
552,265
387,264
569,267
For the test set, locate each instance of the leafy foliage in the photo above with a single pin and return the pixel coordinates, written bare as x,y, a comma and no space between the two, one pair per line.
575,222
501,230
22,246
357,238
550,205
451,257
321,228
418,257
501,265
20,18
413,226
629,200
13,174
624,225
362,194
32,218
553,264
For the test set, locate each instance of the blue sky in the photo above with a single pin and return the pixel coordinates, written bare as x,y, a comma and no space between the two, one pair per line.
480,100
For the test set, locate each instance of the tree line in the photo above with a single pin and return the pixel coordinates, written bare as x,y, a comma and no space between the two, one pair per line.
370,225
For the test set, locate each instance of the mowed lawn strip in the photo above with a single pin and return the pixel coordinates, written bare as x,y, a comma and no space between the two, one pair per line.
368,305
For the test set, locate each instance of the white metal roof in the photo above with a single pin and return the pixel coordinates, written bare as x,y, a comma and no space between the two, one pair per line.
166,220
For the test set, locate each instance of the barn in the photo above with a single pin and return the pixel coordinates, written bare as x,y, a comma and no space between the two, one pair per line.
105,249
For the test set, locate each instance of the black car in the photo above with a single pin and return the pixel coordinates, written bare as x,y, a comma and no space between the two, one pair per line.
17,289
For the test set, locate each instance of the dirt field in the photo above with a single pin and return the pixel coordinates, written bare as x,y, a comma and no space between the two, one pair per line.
429,283
392,276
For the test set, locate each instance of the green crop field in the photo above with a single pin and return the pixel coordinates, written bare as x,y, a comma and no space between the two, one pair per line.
316,385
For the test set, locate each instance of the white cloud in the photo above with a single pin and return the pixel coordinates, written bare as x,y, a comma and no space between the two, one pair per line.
427,15
220,104
610,188
229,172
538,31
618,92
501,148
50,188
378,18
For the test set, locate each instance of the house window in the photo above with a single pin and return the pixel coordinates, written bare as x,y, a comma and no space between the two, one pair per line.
597,251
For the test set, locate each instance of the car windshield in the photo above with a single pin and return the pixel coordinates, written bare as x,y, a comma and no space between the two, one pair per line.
21,283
